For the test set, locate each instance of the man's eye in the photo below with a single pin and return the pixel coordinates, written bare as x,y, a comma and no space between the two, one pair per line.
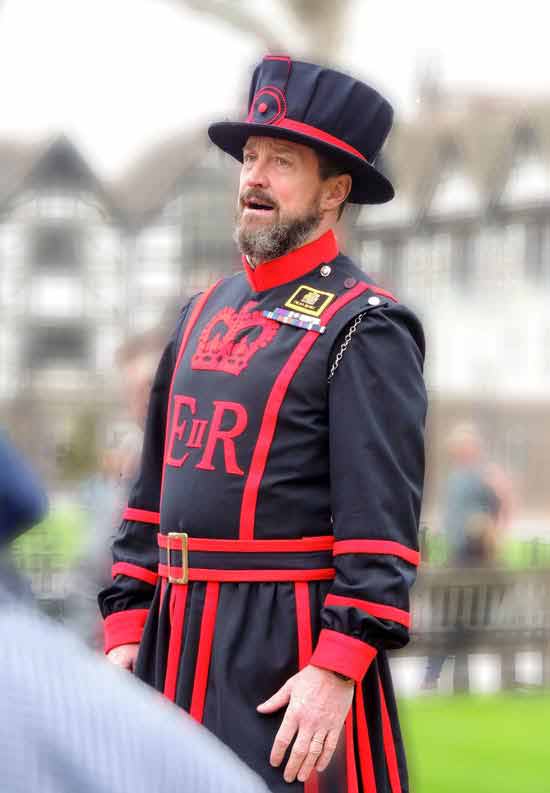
282,161
248,157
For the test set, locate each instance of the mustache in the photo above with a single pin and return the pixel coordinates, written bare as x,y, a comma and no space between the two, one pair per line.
257,196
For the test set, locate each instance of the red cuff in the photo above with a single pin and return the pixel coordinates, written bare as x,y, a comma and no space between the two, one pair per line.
344,654
124,627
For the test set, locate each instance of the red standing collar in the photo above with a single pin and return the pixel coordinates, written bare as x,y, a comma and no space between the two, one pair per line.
277,272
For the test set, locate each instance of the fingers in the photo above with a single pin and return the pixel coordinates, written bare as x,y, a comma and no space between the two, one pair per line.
315,750
277,701
299,754
284,736
124,656
331,742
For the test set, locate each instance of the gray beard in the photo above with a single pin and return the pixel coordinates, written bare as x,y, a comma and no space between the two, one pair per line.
264,244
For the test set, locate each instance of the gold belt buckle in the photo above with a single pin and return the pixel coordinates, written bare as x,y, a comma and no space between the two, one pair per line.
184,556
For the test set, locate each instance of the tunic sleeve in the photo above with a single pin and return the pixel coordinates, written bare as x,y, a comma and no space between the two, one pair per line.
125,604
377,410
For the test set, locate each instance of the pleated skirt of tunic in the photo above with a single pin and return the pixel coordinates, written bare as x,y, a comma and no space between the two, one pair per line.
220,649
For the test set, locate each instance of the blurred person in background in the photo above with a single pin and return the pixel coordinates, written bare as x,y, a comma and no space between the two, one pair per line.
288,506
137,361
477,500
101,497
477,504
69,721
104,495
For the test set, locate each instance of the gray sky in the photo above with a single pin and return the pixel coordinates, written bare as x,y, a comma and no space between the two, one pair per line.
118,75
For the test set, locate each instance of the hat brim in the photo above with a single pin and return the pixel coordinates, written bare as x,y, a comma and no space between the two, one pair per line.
369,185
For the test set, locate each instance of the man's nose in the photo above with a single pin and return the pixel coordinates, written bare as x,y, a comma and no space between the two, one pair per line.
256,174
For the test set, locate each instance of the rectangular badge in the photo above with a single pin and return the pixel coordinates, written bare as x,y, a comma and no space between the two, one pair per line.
308,300
295,318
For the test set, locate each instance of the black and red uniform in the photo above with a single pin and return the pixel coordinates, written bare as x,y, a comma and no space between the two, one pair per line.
298,499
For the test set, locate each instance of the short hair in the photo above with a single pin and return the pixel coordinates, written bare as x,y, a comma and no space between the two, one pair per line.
328,167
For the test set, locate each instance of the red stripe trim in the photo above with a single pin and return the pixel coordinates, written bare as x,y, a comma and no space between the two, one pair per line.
380,291
363,743
351,769
206,639
178,599
124,627
189,325
318,134
134,571
271,414
377,546
303,622
342,653
389,745
324,543
204,574
144,515
375,609
305,649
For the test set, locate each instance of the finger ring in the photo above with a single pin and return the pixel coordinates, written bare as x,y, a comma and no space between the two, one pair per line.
318,740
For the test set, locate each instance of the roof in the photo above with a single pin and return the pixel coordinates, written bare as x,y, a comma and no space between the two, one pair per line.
52,160
482,131
149,184
479,131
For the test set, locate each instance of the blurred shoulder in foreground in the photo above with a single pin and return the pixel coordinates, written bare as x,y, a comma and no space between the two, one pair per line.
70,722
23,501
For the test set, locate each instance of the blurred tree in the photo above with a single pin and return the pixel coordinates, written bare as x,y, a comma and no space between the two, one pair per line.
320,23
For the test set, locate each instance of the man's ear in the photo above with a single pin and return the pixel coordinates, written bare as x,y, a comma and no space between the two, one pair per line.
335,191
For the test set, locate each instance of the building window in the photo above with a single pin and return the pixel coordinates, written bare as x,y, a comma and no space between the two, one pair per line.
57,205
502,256
535,234
57,345
372,257
463,259
439,280
528,180
55,248
545,350
392,264
160,242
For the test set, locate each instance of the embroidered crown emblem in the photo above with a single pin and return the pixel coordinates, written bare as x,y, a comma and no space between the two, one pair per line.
230,340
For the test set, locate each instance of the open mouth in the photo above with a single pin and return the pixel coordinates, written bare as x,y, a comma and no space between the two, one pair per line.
258,207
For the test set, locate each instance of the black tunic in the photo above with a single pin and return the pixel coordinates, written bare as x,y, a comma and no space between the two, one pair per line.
313,488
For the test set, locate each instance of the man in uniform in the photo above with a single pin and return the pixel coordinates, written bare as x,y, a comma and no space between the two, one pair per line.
264,562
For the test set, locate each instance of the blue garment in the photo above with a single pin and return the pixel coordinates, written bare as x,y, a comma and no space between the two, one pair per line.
72,723
467,494
23,502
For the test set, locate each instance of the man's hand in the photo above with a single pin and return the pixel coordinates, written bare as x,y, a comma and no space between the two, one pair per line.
318,703
124,656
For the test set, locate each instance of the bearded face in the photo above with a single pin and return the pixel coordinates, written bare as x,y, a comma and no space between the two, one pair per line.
279,198
264,232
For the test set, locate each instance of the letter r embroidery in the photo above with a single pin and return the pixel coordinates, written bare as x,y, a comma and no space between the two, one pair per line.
225,436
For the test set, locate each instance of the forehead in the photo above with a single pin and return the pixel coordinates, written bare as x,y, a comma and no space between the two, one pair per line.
279,145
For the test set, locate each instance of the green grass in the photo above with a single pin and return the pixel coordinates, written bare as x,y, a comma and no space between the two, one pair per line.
513,553
58,539
478,744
